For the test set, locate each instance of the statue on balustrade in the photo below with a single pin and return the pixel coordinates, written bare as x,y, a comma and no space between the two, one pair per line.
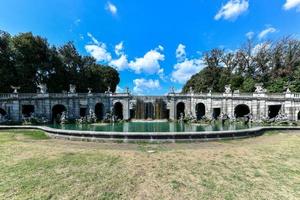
43,88
72,89
15,89
259,88
228,89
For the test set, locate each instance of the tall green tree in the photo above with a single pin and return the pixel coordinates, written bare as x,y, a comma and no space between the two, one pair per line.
27,60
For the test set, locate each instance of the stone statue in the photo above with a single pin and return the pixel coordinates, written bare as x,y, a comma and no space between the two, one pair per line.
91,118
288,91
181,117
209,90
172,90
224,117
91,112
15,89
72,89
43,88
90,90
227,89
63,118
127,90
259,88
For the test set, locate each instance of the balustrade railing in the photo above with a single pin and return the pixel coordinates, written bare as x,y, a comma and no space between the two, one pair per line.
196,95
296,95
275,95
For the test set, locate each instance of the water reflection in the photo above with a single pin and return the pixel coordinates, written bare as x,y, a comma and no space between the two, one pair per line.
152,127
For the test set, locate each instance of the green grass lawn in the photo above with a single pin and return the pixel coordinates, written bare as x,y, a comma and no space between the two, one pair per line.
32,166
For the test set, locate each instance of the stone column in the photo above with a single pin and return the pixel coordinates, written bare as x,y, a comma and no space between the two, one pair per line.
172,109
15,113
188,106
209,107
289,107
126,109
255,109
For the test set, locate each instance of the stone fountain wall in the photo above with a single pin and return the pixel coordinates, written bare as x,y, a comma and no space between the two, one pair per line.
156,107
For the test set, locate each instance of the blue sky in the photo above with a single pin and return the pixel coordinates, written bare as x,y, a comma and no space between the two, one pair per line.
154,44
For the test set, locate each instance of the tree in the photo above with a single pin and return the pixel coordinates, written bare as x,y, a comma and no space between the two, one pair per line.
27,60
7,66
275,64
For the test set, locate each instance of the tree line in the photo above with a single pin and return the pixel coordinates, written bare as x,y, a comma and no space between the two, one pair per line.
27,60
275,64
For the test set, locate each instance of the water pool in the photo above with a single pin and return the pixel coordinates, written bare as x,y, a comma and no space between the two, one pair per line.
152,127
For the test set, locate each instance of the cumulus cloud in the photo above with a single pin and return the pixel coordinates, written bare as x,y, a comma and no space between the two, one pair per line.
111,8
120,63
149,63
142,85
180,52
232,9
119,49
98,50
290,4
266,32
183,71
185,68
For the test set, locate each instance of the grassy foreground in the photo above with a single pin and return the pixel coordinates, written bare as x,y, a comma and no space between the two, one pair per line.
35,167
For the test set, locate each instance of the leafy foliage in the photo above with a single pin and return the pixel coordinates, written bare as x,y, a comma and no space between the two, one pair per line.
275,64
27,60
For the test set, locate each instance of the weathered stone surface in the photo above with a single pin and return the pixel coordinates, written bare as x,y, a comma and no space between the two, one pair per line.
259,103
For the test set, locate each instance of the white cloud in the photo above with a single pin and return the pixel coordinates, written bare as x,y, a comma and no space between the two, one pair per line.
98,50
111,8
183,71
95,41
142,85
250,35
185,68
180,52
149,63
266,32
290,4
232,9
119,49
120,63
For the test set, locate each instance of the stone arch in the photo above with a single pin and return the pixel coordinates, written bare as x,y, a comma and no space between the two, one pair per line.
100,111
200,111
216,113
3,112
57,111
118,110
27,110
241,110
273,110
180,109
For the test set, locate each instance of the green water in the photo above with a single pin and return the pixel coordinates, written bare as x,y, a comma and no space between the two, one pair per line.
151,127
